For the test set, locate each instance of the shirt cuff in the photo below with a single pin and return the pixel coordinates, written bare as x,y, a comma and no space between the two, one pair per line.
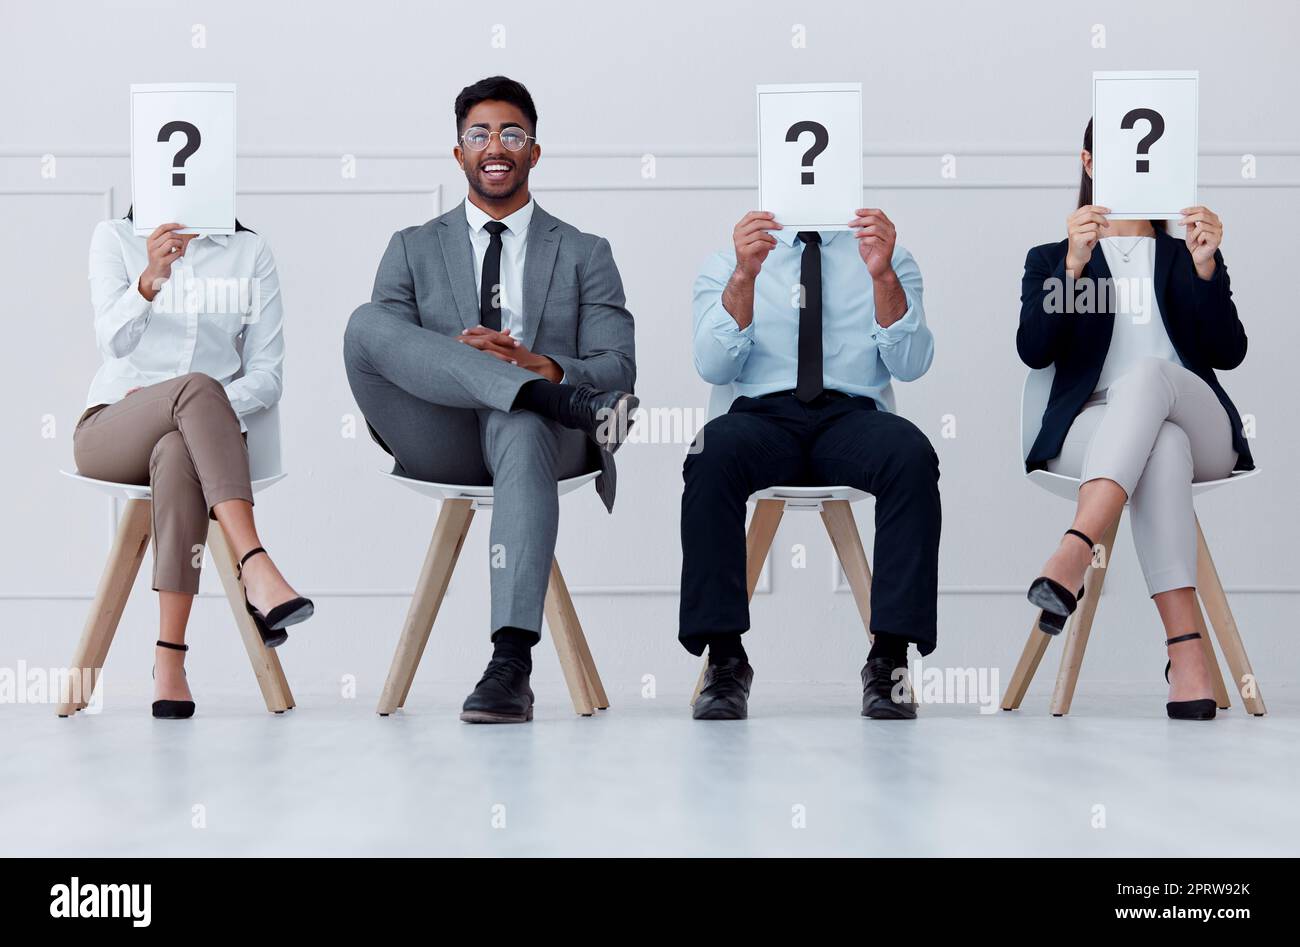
723,327
137,302
897,331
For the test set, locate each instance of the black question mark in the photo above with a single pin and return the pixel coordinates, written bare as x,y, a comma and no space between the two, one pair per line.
192,139
818,146
1157,122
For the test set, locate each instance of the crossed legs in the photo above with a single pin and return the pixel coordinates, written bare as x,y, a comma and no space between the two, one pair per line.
442,410
182,438
1159,430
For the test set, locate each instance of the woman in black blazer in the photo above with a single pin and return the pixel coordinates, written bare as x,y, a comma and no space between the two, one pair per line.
1135,321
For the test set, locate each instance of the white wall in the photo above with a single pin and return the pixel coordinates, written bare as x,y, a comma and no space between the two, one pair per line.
1005,88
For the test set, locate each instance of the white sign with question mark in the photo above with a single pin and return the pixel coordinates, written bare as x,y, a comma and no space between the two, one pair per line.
1144,143
810,153
183,156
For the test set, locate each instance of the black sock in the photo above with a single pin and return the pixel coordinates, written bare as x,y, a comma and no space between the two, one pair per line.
515,643
722,647
888,646
549,399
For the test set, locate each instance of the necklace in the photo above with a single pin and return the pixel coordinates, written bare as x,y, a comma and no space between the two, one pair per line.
1125,254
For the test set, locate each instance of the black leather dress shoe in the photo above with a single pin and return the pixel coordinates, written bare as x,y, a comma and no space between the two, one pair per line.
878,686
502,694
604,416
725,695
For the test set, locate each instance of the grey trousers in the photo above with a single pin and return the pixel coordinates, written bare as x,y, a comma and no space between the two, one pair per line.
1155,432
182,438
442,409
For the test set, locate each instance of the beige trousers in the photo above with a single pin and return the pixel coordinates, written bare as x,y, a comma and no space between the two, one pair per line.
1157,430
182,438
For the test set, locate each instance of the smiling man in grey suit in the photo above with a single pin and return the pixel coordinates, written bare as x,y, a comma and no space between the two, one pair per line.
497,348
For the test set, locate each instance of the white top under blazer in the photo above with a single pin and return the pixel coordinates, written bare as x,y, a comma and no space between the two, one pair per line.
1139,330
219,313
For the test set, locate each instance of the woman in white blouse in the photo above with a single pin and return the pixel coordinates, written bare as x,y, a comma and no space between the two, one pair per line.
190,328
1136,412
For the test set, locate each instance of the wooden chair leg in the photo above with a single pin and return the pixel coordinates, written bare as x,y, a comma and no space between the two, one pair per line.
566,632
114,589
1026,667
594,684
449,534
843,530
266,666
758,542
1225,627
1080,627
281,680
588,665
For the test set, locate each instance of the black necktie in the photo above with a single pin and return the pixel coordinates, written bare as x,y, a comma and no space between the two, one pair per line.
809,383
489,295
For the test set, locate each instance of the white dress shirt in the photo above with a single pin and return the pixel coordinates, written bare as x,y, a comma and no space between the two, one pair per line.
514,246
219,313
1139,330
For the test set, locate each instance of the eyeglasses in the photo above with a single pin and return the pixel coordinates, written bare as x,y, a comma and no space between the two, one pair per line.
513,139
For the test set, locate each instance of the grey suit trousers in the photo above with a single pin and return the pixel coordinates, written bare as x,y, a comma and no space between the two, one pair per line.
442,409
1155,431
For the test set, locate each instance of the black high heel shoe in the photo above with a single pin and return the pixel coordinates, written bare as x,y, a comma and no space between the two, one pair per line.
271,625
173,709
1202,709
1054,599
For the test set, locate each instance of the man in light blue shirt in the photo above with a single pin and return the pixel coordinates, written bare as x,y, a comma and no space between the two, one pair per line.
809,329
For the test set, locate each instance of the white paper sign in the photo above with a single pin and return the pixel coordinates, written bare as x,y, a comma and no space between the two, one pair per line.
1144,143
183,156
810,153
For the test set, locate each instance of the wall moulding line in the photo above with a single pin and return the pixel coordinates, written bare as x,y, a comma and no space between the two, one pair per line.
1215,150
731,185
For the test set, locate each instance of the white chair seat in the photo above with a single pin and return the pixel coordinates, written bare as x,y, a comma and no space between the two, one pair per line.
1033,402
264,460
809,498
481,496
1068,487
134,491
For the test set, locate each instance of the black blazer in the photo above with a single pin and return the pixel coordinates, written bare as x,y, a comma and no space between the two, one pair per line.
1198,314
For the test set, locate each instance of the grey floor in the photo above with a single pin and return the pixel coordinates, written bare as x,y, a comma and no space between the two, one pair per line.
805,775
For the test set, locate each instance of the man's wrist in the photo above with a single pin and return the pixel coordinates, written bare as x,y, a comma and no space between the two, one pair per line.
890,298
549,369
886,280
738,298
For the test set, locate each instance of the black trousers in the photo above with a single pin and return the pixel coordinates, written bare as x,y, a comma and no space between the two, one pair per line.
834,441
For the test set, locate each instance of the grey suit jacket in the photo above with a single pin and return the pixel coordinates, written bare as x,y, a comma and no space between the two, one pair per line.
574,309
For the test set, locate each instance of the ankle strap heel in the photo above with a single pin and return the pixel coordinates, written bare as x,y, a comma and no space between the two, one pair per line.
239,569
172,709
1202,709
270,627
1084,536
